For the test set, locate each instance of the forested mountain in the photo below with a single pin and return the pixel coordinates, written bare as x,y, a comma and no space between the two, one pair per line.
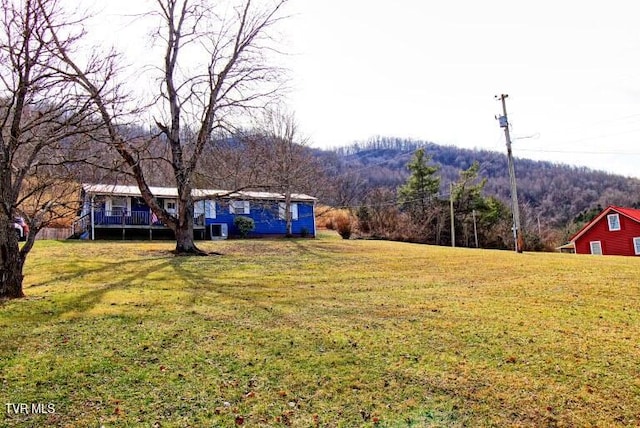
553,193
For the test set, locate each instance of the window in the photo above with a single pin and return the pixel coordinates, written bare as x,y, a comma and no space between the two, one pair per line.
116,205
293,208
614,222
636,245
170,205
198,208
239,207
596,248
210,209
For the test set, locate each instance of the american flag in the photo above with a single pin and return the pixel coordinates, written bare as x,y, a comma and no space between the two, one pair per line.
154,218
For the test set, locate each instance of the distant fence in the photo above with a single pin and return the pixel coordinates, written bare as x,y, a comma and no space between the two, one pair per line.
54,233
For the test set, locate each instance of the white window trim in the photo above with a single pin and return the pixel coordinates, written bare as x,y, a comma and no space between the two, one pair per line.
246,207
293,208
172,210
209,209
611,216
108,204
198,208
599,243
636,246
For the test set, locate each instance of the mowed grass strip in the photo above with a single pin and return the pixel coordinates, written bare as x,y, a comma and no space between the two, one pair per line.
321,332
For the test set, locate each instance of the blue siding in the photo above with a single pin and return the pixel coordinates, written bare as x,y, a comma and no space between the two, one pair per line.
138,204
265,215
306,219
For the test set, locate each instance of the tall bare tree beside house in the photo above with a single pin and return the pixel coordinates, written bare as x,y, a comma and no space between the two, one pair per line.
41,115
233,162
215,67
289,164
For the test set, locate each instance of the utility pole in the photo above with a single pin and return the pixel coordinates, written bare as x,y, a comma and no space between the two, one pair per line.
453,225
475,227
504,124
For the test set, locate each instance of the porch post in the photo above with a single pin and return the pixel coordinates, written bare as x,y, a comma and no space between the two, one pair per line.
93,233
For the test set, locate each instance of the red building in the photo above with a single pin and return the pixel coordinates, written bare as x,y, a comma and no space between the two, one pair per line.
615,231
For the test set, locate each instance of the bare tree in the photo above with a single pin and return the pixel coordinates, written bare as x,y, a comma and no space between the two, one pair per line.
234,162
215,66
40,117
289,164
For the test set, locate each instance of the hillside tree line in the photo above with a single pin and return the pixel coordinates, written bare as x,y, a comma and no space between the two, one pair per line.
419,212
553,197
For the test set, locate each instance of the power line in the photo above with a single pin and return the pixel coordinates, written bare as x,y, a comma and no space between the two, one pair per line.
598,137
580,152
604,121
390,202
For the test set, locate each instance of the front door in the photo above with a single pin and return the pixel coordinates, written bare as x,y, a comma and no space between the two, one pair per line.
170,206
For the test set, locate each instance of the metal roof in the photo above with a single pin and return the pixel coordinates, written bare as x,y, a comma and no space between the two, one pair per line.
172,192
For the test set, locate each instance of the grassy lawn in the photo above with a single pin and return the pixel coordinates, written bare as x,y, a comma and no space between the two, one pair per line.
321,332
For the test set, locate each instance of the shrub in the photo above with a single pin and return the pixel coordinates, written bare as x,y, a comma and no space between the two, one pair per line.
324,217
343,225
244,225
364,219
340,220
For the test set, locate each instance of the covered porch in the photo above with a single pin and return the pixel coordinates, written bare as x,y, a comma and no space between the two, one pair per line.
128,225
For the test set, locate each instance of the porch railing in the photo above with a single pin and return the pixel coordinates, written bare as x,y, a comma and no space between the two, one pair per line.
124,218
134,218
81,224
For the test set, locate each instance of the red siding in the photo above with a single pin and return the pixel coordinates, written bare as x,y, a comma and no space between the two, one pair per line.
618,243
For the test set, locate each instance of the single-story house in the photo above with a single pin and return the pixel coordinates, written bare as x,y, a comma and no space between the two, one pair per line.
118,211
615,231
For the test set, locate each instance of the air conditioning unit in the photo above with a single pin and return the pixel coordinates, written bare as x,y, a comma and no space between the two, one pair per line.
218,231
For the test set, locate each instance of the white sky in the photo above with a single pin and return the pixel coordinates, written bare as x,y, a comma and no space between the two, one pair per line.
430,69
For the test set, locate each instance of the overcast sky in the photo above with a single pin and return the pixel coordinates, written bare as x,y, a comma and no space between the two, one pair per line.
430,70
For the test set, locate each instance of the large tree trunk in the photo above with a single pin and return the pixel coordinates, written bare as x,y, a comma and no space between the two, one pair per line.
287,215
11,262
184,227
185,243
